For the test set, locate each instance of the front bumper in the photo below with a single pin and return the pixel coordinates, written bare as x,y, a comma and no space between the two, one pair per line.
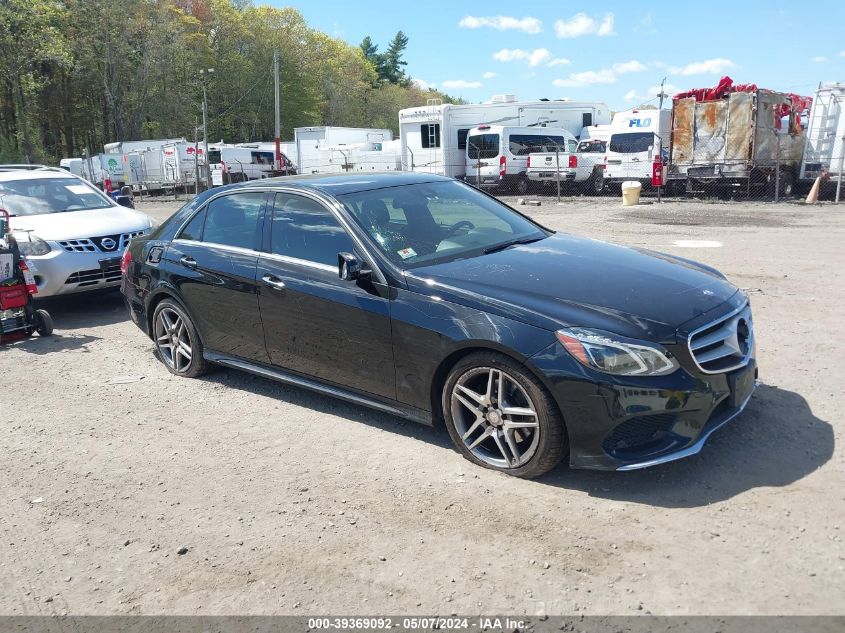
61,272
627,422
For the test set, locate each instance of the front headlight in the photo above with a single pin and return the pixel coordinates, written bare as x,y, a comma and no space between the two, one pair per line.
616,355
30,244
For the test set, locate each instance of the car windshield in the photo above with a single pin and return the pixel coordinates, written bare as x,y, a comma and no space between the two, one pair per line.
632,143
431,223
38,196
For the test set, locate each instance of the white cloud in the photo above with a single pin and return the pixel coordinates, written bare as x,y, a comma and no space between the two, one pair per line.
818,59
632,66
645,25
489,75
586,78
707,67
422,84
842,53
603,76
460,83
583,24
502,23
651,93
534,58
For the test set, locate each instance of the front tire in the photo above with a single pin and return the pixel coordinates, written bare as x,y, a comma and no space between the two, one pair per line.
177,343
501,417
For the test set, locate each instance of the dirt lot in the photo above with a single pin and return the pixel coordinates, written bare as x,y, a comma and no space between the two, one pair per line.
290,502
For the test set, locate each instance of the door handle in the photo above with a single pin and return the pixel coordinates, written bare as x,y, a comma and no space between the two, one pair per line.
273,282
188,262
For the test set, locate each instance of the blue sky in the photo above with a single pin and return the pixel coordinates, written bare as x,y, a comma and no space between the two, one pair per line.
616,52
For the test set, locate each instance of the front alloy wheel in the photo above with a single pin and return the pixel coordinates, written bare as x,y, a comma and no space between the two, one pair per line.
500,417
496,419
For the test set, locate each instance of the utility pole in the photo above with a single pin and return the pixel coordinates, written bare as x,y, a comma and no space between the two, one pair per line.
660,138
204,73
278,124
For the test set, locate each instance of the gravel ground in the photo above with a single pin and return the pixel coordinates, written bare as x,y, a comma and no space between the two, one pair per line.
128,491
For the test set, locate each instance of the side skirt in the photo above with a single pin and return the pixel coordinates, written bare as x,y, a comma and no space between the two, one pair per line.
274,373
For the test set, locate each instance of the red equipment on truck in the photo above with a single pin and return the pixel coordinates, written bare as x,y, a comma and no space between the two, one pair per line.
18,318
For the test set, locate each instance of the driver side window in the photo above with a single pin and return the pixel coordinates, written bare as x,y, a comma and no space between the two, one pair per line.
303,228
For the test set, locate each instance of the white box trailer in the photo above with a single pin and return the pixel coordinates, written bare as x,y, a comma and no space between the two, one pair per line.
825,145
172,165
124,147
315,145
355,157
434,136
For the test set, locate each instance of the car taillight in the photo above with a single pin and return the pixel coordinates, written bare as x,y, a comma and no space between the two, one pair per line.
529,161
604,164
502,166
573,160
125,261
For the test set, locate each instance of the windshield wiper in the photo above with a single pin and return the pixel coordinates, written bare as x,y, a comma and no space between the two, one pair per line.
522,240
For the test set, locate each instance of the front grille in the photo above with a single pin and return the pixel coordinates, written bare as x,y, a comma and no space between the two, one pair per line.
102,243
725,344
78,246
95,276
638,432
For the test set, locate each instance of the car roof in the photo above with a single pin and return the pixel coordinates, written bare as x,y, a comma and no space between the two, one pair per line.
38,173
341,184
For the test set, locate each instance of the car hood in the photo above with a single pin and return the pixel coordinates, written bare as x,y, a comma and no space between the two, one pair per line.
79,224
567,280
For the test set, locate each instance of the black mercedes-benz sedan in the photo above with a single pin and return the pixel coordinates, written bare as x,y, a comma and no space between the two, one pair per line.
426,298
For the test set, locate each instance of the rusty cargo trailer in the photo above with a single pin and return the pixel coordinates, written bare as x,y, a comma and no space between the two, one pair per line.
742,139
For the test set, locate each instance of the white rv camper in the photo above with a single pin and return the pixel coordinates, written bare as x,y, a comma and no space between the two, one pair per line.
434,136
825,146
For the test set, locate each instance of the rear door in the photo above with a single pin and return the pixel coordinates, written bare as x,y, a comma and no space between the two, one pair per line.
315,323
213,262
483,152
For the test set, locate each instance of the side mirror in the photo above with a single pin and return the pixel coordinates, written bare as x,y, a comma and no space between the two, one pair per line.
348,267
124,201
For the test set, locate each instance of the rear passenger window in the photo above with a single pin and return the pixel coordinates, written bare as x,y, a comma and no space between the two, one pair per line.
305,229
193,231
234,220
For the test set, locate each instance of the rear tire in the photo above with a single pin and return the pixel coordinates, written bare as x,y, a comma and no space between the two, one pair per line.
177,342
43,323
501,417
595,185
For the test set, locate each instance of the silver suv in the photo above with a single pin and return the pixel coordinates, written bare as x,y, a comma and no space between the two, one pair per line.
71,233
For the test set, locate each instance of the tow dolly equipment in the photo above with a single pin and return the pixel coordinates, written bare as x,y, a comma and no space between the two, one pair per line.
18,318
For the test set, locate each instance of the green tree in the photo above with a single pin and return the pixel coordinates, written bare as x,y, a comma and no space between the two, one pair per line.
393,63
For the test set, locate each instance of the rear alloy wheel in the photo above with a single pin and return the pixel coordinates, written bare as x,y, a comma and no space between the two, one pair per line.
176,340
500,417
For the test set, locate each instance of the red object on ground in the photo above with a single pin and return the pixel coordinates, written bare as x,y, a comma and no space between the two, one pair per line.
107,185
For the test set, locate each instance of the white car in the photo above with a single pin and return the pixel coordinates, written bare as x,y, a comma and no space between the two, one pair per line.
71,233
